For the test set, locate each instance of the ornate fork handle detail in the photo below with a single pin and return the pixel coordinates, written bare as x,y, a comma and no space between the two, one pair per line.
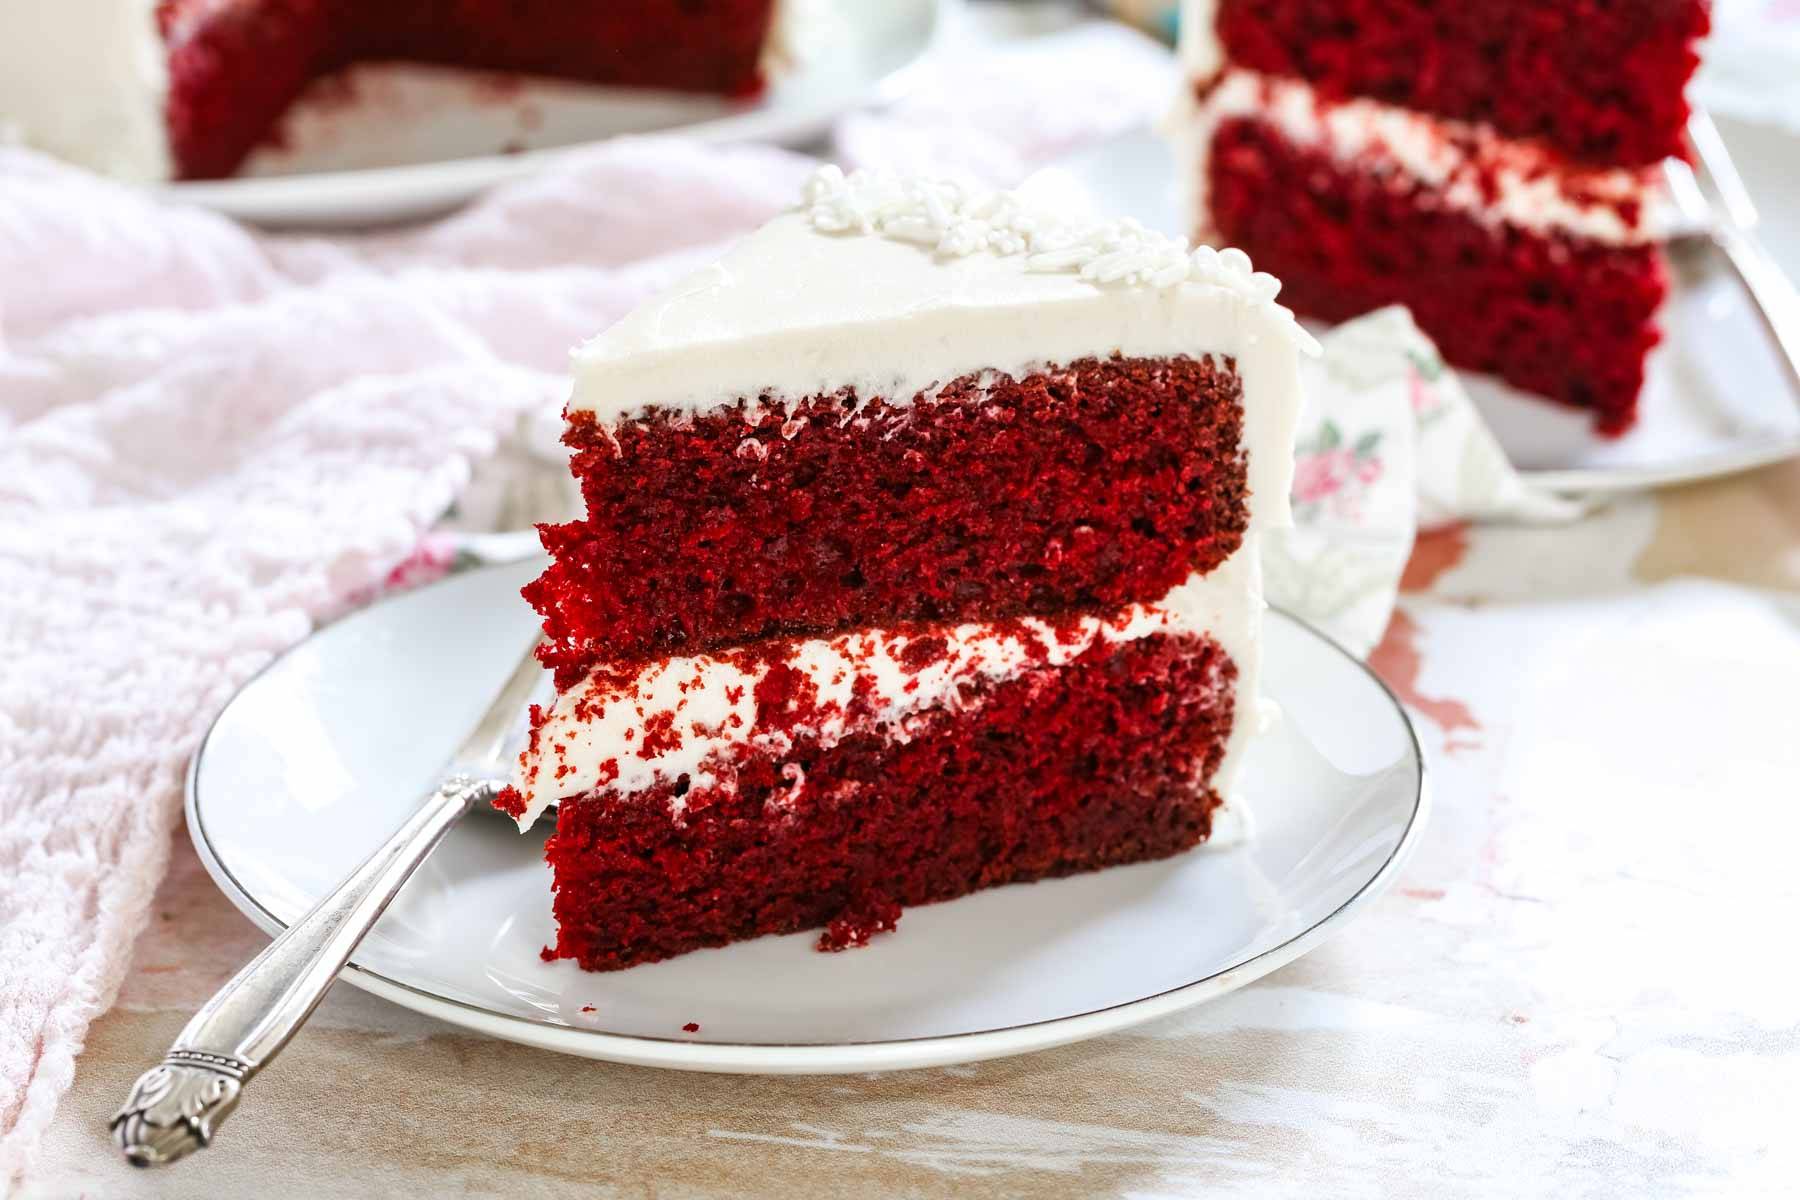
175,1107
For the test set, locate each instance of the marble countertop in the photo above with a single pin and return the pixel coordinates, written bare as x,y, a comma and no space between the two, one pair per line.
1583,984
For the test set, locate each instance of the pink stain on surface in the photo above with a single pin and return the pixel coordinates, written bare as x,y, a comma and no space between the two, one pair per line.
1434,553
1398,661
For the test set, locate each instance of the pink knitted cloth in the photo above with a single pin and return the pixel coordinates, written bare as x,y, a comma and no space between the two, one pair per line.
210,439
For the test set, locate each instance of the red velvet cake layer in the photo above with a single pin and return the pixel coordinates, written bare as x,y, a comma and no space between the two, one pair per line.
1080,488
235,67
1056,771
1601,80
1565,318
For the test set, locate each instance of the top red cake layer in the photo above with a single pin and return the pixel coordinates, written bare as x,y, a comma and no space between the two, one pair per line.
235,67
1600,80
1080,488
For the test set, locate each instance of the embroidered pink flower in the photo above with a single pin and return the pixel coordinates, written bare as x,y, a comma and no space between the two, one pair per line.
1319,476
1332,474
1424,399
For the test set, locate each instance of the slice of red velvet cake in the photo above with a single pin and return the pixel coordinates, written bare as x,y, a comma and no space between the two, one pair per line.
1491,164
186,89
918,557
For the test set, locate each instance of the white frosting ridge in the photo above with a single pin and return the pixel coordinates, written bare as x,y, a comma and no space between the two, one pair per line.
1198,47
690,715
1468,168
86,80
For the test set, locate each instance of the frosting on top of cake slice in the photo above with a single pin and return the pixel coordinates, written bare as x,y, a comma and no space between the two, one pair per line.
889,284
688,717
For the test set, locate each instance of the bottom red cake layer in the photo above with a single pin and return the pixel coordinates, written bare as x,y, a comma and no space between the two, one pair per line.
1565,318
1102,761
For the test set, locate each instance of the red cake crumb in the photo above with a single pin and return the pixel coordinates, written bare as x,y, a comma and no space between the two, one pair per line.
510,802
1053,772
691,1027
1565,318
1077,489
868,914
1601,80
234,68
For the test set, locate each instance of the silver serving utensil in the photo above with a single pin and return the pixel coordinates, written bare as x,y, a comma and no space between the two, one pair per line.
1715,203
175,1106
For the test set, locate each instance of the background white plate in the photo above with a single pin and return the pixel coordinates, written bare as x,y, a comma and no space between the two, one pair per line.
413,141
1716,400
320,756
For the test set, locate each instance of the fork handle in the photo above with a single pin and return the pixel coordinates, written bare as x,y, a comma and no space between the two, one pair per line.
1776,299
175,1106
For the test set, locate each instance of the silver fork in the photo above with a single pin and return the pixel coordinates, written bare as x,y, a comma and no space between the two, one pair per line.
1715,203
176,1106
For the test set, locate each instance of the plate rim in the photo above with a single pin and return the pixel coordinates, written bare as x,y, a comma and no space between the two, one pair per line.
1612,481
788,1058
308,197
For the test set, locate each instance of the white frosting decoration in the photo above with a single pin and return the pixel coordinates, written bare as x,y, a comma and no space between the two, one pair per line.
1469,168
956,222
86,80
704,708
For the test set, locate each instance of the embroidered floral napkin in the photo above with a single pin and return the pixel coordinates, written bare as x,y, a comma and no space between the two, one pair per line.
1388,443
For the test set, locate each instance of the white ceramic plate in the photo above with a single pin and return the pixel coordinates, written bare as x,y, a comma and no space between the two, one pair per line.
322,755
389,143
1716,398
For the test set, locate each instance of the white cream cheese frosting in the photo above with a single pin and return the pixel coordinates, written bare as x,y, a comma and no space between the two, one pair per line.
686,716
1471,168
86,80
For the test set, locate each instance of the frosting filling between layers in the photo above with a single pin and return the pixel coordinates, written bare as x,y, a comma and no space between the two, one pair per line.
1470,168
686,716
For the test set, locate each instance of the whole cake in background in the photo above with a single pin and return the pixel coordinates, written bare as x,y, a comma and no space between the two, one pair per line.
1491,164
919,556
149,90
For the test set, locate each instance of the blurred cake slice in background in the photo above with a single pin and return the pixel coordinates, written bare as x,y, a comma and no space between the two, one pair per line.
1494,165
152,90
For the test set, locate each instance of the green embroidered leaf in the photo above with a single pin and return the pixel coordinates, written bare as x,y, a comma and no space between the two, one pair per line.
1330,437
1368,443
1428,365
